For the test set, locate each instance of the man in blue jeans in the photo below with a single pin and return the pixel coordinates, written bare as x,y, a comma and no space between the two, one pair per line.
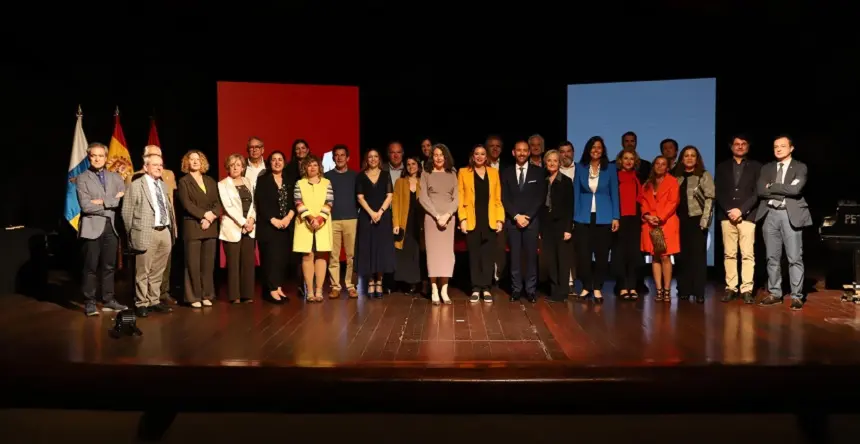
785,213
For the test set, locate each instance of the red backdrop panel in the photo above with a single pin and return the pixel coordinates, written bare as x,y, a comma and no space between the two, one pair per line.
281,113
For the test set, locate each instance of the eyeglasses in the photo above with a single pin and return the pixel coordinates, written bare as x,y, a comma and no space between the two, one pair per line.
255,147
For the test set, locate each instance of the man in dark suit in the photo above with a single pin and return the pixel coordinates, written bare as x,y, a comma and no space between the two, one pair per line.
737,200
785,213
523,193
99,194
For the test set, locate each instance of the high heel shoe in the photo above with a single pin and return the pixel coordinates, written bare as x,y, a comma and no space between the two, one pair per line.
444,293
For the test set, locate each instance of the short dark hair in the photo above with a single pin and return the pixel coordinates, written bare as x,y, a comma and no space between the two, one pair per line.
495,137
741,136
630,133
566,143
340,146
672,141
784,135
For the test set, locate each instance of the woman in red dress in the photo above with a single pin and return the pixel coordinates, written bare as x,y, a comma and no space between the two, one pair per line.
659,199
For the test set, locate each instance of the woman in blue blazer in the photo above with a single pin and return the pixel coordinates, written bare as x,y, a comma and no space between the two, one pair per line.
596,214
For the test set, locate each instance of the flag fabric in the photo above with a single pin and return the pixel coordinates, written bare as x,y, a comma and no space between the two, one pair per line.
153,134
78,163
118,157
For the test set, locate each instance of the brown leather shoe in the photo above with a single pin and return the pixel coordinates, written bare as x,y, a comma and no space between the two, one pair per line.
334,294
771,299
353,293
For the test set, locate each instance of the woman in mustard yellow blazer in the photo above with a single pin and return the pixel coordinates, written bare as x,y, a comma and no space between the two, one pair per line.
408,224
481,217
314,198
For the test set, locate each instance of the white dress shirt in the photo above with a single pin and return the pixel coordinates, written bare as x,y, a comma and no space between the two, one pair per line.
153,194
780,179
253,172
569,171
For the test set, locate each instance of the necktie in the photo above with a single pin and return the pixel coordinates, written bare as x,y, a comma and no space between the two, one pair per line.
101,175
779,172
162,208
522,178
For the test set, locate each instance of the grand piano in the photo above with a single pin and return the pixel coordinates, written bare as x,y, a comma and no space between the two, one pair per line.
841,232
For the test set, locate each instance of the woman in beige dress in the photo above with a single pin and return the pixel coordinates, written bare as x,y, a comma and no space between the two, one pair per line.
439,197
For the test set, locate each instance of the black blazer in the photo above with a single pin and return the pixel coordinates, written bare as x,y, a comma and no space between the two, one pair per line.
194,203
560,219
743,196
266,200
531,199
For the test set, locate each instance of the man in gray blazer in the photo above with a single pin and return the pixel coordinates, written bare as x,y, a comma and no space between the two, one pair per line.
151,227
99,193
785,213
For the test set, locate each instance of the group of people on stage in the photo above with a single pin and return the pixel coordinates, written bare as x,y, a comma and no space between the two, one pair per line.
397,218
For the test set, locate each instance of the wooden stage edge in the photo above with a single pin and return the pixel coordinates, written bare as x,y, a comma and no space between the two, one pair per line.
401,354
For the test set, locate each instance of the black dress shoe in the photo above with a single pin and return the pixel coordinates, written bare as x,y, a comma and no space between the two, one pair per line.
700,299
531,297
161,308
515,296
771,299
748,297
730,295
141,312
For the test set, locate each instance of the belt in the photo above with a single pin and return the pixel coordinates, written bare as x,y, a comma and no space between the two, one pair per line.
161,228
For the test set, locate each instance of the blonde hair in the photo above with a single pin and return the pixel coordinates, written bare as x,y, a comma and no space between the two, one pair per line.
552,152
233,158
186,162
309,159
620,157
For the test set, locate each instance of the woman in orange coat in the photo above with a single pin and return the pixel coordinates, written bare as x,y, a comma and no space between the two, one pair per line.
659,199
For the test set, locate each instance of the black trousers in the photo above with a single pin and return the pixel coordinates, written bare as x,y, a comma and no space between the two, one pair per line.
276,259
626,252
500,255
556,254
200,269
240,268
693,259
592,239
482,244
99,255
524,247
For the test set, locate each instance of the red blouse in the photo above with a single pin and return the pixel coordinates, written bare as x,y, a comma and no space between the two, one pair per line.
629,189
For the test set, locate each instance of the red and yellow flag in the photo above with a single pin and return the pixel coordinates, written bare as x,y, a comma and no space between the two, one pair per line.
153,134
118,157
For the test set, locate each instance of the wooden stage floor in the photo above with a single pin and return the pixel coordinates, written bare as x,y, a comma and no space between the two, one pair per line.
403,346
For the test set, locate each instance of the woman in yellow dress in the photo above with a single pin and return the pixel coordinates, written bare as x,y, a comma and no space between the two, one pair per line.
314,198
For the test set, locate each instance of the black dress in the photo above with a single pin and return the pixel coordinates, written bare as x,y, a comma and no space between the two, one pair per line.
375,246
409,257
275,244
